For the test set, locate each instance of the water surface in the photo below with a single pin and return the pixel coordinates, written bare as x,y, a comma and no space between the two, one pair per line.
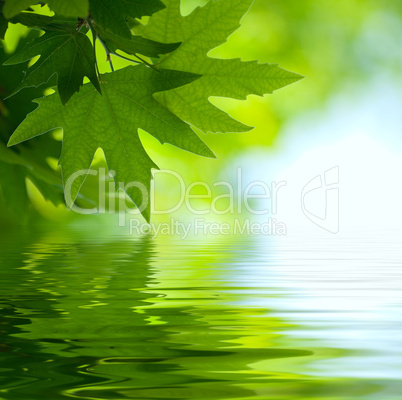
214,318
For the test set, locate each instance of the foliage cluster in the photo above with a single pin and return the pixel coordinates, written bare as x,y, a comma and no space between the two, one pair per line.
165,91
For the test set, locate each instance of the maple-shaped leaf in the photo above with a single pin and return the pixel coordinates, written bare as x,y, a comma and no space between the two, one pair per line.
63,51
204,29
70,8
112,15
111,121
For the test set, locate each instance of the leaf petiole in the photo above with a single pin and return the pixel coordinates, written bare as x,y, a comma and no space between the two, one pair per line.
126,58
107,53
94,37
146,63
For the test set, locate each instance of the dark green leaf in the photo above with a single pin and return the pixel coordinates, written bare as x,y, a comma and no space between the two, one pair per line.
14,7
12,189
3,26
28,160
70,8
136,45
32,20
112,15
67,53
66,8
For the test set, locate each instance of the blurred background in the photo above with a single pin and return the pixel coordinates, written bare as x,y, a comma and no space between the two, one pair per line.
344,114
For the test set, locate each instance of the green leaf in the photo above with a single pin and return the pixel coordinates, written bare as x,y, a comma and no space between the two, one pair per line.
70,8
67,53
12,189
16,168
44,22
28,160
10,157
112,14
13,7
111,121
3,25
224,78
32,20
135,45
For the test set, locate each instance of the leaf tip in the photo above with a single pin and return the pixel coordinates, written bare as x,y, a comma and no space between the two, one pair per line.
147,214
12,141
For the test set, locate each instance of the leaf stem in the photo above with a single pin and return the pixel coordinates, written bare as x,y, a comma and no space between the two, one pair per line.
137,62
94,37
107,51
126,58
146,63
110,63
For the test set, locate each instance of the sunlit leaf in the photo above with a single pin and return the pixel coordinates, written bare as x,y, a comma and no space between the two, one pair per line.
201,31
111,121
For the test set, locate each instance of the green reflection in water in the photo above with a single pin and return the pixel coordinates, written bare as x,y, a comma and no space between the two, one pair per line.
120,319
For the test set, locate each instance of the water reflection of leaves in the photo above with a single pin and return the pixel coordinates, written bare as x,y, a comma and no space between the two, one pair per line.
116,319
